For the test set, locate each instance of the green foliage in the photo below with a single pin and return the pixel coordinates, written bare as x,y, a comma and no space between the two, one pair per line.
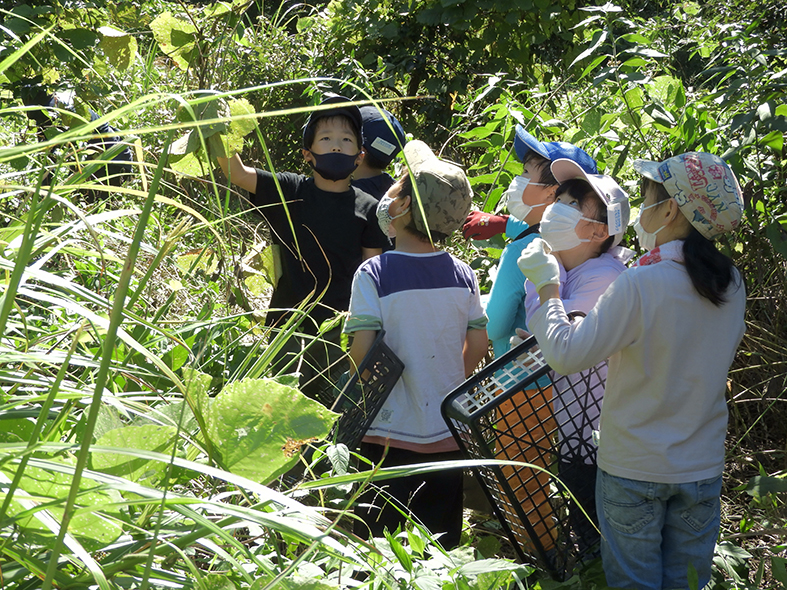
438,48
138,412
258,426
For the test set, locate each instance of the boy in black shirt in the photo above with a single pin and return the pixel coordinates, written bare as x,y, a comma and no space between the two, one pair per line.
325,231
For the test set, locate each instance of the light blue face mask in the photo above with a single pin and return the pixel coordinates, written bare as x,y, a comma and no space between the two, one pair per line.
384,218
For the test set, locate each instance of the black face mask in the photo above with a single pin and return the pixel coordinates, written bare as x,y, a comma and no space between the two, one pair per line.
334,165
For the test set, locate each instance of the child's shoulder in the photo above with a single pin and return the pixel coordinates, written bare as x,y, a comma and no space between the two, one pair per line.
268,183
363,200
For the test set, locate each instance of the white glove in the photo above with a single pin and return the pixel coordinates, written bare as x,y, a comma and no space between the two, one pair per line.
538,265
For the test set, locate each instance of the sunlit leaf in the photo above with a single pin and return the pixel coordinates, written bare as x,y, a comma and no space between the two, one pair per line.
175,37
598,39
259,425
119,47
39,486
241,107
148,437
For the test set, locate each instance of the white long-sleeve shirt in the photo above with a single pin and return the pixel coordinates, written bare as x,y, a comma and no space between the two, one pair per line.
664,417
577,397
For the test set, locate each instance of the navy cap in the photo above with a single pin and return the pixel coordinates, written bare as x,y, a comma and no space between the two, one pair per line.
381,140
350,111
552,150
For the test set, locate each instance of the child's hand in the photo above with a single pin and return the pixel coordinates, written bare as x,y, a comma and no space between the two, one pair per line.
482,226
518,338
538,264
528,358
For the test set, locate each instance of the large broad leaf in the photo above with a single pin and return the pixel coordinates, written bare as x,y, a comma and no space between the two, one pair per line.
198,386
39,486
242,108
175,37
119,47
259,425
668,90
149,437
190,165
16,430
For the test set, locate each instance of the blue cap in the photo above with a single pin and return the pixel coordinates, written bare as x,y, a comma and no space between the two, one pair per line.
379,139
552,150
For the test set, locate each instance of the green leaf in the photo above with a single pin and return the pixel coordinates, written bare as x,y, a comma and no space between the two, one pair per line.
779,570
765,110
150,437
598,38
401,554
762,485
94,532
119,47
732,559
339,456
591,123
668,90
175,37
778,237
257,284
488,546
80,38
198,387
259,425
189,165
16,430
774,140
242,107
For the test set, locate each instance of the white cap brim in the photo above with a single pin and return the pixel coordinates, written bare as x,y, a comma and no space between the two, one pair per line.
648,169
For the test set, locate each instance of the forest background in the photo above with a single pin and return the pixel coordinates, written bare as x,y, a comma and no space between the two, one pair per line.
134,449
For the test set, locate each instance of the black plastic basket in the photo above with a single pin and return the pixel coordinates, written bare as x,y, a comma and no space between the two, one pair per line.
516,408
365,393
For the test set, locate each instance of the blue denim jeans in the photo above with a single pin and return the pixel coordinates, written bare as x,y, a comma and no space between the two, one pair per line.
651,532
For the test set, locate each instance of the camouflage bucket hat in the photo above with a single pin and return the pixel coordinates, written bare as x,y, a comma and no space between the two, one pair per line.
443,189
704,187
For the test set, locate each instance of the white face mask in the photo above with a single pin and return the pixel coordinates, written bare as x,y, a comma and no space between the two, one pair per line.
559,224
646,239
513,196
384,218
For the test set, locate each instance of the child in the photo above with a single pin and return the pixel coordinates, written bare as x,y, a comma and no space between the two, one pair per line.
323,228
428,303
527,196
670,327
381,144
583,227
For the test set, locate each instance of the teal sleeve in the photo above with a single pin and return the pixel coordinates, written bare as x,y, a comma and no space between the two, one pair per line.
514,227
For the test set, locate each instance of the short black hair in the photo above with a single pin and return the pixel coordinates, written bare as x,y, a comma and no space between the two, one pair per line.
374,162
539,161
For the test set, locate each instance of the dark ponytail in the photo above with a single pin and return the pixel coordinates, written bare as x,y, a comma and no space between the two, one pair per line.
710,271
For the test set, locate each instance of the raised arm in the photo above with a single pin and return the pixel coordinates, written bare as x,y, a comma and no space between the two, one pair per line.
238,173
